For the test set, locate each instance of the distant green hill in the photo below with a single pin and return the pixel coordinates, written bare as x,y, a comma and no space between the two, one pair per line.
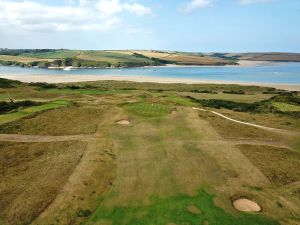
102,59
130,58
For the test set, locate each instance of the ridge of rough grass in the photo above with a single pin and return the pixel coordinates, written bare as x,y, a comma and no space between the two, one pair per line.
175,210
81,91
148,109
30,110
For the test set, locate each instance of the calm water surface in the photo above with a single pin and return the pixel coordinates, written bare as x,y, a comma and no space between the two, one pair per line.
288,73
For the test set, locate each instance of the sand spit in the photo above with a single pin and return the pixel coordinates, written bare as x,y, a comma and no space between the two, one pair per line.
83,78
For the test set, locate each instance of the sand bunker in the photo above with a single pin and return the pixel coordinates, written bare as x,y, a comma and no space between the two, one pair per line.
193,209
246,205
123,122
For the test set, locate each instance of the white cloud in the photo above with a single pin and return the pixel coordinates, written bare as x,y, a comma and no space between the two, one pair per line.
137,9
196,4
248,2
82,15
109,7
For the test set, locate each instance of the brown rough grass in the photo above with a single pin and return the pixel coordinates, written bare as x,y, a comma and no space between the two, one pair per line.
22,59
280,165
32,174
231,130
62,121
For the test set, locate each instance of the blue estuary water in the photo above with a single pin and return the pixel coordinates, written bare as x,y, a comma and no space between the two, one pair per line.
288,73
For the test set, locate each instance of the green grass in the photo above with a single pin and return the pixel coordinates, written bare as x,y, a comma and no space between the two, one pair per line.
174,210
112,57
174,98
148,109
285,107
58,54
30,110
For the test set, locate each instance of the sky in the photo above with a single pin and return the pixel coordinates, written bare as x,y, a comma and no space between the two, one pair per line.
182,25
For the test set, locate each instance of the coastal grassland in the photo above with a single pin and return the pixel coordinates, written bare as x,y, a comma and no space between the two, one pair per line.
288,57
280,165
164,160
89,183
112,57
170,165
243,98
265,119
81,91
31,175
5,83
155,54
231,130
285,107
92,58
177,99
22,59
57,54
61,121
194,88
27,111
186,58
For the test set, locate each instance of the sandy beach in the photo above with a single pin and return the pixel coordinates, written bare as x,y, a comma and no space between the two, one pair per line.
83,78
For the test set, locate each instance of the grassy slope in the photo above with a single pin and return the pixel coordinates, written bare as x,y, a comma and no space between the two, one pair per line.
285,107
23,59
5,118
278,164
128,57
186,58
111,57
32,174
120,57
170,159
58,54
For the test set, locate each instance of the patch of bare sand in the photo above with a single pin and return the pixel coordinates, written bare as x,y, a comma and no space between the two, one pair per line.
194,210
123,122
174,112
246,205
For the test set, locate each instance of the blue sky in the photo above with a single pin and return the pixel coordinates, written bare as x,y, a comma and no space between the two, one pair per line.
184,25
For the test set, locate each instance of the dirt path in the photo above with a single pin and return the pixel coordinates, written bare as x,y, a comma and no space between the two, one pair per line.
90,181
245,123
39,138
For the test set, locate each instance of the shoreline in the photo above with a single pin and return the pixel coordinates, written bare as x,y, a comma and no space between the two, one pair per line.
146,79
240,63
